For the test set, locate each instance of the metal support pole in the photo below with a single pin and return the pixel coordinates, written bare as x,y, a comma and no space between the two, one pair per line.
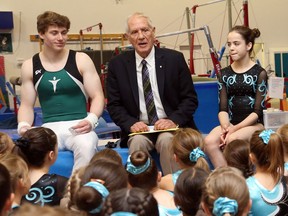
101,44
192,35
229,15
245,13
81,39
188,24
212,50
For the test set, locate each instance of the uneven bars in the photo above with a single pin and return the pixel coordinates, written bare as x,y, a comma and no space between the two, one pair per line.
90,27
169,34
208,3
101,39
179,32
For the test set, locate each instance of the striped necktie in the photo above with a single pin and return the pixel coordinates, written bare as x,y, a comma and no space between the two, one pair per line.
148,95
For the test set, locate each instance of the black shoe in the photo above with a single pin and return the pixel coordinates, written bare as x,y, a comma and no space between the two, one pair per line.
111,144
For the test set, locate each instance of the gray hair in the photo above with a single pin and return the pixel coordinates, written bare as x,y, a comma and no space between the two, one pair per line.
137,14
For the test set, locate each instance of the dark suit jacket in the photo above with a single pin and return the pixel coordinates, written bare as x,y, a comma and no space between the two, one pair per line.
175,87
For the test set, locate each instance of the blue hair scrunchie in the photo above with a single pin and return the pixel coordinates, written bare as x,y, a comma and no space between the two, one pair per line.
224,205
195,154
135,170
286,166
123,214
101,189
265,135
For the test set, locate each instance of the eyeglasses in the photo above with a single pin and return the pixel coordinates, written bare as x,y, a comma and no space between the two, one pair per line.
143,31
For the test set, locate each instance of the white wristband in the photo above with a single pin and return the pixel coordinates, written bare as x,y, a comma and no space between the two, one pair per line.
93,119
22,124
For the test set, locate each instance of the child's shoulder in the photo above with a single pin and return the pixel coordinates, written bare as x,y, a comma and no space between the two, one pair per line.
166,183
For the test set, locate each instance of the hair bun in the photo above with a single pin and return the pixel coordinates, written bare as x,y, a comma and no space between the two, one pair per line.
256,32
139,158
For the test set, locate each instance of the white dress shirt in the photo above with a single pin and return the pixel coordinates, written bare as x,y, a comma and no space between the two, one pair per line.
150,59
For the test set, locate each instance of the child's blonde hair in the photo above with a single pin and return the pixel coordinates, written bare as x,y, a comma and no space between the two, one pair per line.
6,143
28,209
17,167
73,185
226,182
107,154
283,131
184,142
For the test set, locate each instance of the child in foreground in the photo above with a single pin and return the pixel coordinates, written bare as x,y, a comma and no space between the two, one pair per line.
130,202
143,173
268,186
189,189
226,193
38,147
187,145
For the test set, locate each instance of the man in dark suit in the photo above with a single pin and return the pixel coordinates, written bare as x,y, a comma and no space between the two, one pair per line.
171,88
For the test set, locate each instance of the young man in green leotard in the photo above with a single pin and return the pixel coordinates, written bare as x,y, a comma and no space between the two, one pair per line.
63,80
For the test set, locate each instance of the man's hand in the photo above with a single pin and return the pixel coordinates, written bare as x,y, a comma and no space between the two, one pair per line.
23,129
82,127
139,127
163,124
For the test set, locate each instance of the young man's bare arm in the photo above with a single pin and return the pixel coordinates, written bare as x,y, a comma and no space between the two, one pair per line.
93,88
28,97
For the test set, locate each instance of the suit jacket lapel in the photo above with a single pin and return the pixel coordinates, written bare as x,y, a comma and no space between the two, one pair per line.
132,75
160,72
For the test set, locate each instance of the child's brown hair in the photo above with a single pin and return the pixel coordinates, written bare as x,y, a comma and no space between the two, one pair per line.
268,153
236,154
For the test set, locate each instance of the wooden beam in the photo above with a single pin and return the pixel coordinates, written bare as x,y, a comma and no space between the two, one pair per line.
88,37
